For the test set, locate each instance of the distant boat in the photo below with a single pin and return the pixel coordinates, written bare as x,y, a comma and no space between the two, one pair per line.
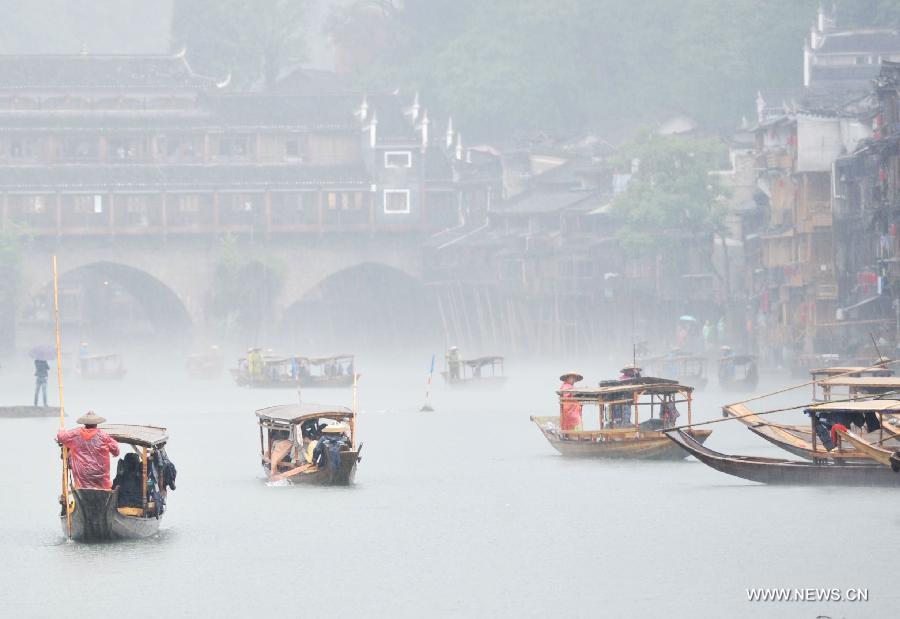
683,367
289,425
277,372
619,435
482,373
738,372
206,365
95,516
103,367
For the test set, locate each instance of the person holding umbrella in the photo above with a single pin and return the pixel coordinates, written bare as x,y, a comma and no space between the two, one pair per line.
41,371
40,354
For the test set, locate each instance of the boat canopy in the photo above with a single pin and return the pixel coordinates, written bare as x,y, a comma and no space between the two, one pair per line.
482,361
292,414
319,360
738,359
858,407
831,371
662,387
145,436
885,382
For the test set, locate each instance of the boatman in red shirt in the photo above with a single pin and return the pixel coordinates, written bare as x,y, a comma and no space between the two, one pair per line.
89,452
570,411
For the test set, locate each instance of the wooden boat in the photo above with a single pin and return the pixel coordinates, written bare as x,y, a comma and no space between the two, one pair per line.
24,412
297,426
482,373
334,372
738,372
94,514
618,435
788,472
297,372
103,367
800,440
205,366
686,369
854,387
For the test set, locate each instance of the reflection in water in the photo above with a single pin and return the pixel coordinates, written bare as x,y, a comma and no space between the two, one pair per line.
466,511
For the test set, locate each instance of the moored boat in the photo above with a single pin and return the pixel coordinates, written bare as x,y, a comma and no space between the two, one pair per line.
308,444
806,442
95,514
103,367
618,434
481,372
786,472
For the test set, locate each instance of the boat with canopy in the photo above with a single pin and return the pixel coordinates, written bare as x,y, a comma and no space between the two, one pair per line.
738,372
308,444
103,367
481,372
620,431
94,514
291,372
685,368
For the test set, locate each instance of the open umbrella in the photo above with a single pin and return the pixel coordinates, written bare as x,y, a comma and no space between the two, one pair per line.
42,352
687,318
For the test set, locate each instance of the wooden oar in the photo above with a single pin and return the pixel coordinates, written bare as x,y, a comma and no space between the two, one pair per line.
62,403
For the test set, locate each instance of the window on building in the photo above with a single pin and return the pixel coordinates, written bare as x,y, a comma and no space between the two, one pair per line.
292,148
235,146
189,204
79,148
396,201
398,159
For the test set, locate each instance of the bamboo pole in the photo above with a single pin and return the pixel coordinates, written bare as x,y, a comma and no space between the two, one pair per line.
62,402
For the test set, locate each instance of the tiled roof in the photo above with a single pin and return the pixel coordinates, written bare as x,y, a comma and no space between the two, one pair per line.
861,41
175,177
87,71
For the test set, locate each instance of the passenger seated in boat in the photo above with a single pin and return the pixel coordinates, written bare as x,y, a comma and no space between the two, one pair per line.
311,431
570,411
128,481
281,447
327,452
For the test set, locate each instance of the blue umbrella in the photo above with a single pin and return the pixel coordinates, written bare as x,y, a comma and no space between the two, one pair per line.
687,318
43,352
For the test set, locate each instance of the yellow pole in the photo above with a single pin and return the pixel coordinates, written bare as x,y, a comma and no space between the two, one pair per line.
62,402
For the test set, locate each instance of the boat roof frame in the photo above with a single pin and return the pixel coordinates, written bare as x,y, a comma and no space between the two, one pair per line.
131,434
293,414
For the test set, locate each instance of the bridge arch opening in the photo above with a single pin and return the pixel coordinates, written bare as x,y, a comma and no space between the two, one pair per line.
369,307
110,305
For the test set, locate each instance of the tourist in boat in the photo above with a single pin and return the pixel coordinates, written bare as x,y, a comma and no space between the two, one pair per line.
629,372
453,362
254,362
281,447
41,371
668,413
571,410
128,481
89,452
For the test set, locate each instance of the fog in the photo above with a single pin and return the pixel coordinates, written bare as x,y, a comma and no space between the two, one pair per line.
457,205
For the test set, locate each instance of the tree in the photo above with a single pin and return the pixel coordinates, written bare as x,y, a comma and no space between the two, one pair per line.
671,199
244,290
251,41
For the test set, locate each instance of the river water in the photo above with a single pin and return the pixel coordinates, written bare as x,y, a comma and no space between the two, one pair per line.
466,511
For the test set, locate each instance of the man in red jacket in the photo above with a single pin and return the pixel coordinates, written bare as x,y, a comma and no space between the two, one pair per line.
89,452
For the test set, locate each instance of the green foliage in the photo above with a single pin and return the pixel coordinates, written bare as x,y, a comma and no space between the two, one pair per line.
252,41
244,289
518,65
672,198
